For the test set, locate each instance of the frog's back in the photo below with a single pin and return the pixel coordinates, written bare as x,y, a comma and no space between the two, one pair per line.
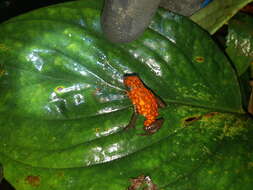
145,103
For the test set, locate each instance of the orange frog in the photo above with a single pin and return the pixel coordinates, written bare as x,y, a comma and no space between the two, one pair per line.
145,103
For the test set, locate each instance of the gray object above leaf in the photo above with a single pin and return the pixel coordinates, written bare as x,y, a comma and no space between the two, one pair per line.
125,20
183,7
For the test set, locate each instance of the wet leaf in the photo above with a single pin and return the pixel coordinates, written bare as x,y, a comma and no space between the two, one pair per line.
64,107
230,168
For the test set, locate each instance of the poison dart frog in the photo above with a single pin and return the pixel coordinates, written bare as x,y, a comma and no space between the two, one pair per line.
145,103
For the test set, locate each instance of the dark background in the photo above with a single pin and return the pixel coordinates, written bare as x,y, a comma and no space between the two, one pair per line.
11,8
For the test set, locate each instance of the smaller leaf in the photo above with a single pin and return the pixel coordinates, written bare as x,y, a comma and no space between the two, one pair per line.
240,41
217,13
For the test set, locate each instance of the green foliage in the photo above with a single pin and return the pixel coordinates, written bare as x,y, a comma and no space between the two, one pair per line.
240,41
217,13
63,105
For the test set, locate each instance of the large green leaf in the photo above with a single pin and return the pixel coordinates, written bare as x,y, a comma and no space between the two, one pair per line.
173,162
240,41
63,105
217,13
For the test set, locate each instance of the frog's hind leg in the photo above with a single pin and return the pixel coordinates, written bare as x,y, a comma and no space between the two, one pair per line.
154,127
132,122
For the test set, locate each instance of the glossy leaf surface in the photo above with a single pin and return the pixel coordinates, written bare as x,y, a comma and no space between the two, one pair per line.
230,168
175,162
217,13
62,82
240,41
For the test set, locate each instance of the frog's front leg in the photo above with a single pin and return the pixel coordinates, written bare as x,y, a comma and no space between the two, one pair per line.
154,127
132,122
160,102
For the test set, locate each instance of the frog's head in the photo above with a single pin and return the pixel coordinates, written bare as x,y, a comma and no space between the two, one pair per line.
132,81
